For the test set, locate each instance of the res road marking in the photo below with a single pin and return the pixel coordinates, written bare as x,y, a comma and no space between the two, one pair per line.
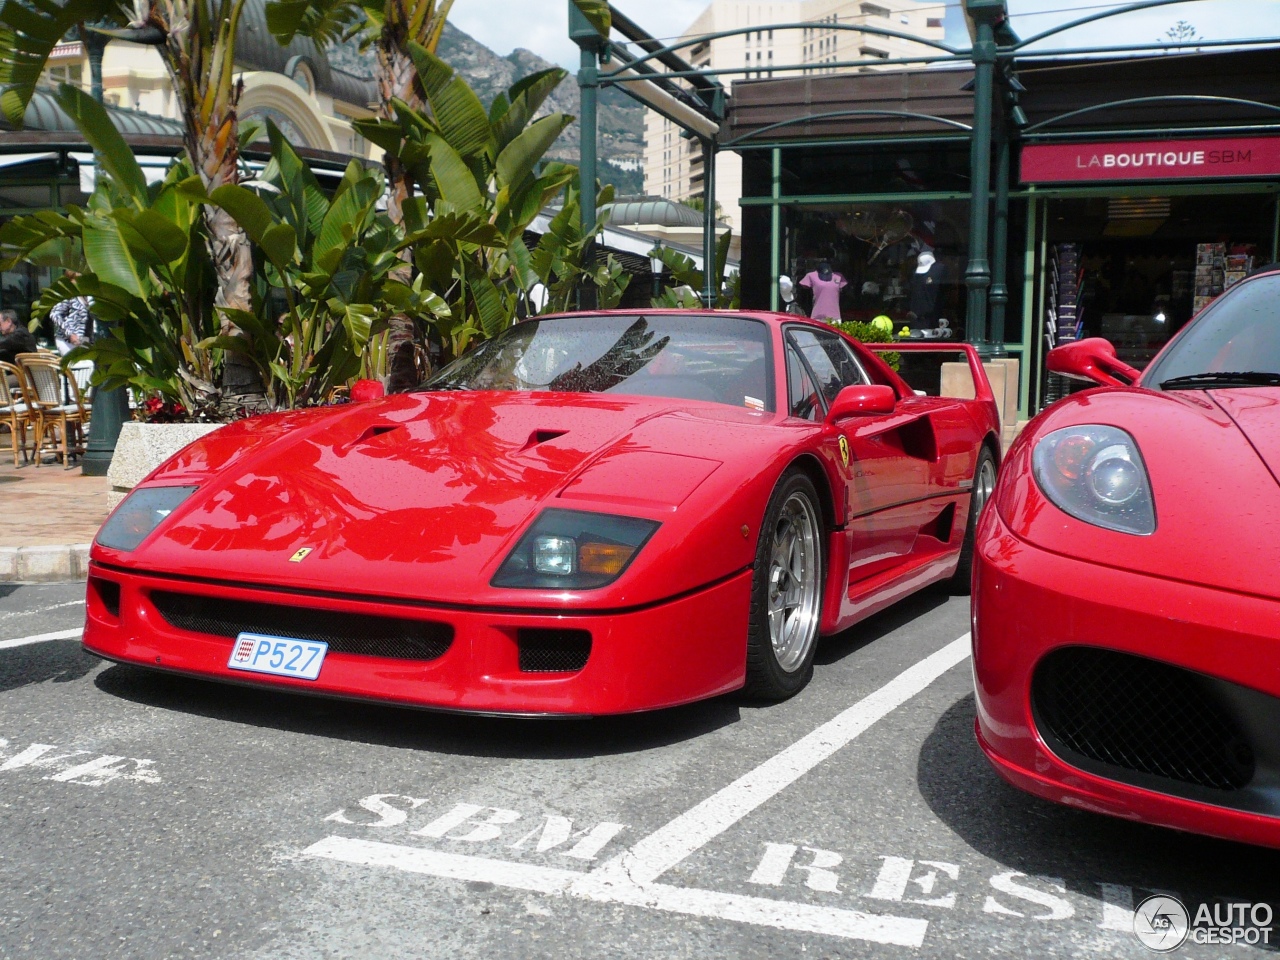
41,638
631,877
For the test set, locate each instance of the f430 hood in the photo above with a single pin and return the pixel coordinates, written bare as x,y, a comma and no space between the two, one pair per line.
1212,459
420,496
1256,411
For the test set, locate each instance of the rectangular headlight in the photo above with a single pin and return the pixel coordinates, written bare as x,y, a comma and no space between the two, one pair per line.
574,550
555,555
140,513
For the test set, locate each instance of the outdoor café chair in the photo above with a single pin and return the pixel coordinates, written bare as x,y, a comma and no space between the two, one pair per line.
15,411
56,421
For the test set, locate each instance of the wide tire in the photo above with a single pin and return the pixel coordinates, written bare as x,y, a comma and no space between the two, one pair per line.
786,591
984,481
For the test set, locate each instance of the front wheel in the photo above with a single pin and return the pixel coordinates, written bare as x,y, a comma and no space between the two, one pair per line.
984,481
786,591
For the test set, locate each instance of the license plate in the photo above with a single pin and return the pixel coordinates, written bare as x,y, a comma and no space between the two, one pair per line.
280,656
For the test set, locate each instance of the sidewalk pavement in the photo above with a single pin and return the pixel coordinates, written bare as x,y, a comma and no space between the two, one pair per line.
50,516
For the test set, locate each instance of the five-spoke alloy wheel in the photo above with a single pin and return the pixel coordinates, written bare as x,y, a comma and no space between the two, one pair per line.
786,596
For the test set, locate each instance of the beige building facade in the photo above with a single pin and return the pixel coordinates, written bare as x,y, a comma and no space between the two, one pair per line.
296,87
673,165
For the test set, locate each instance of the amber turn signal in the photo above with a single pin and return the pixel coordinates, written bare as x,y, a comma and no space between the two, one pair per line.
605,558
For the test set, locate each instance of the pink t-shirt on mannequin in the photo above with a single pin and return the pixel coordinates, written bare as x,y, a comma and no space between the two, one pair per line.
826,294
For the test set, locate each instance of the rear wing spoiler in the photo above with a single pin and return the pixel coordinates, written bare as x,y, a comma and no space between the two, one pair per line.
960,353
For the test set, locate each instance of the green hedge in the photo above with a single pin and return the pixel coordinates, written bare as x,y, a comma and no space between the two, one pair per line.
866,333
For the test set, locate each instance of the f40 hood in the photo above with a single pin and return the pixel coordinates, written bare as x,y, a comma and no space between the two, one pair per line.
422,496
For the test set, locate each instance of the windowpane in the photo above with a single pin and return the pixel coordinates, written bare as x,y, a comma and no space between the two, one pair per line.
830,360
802,395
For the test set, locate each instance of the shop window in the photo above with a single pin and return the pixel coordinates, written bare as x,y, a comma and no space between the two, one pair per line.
902,260
936,167
1135,269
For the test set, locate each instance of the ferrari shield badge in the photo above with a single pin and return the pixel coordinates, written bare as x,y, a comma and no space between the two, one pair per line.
844,450
302,554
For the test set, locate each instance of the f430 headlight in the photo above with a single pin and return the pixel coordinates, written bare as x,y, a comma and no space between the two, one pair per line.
140,513
1096,474
574,550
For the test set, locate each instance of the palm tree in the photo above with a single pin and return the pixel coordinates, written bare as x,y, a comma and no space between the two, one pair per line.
391,26
196,41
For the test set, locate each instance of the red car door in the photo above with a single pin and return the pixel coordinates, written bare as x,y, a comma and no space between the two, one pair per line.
887,476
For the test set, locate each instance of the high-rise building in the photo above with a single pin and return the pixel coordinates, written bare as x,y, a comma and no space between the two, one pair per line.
673,164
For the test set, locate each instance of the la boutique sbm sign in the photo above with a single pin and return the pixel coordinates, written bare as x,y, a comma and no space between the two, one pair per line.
1151,160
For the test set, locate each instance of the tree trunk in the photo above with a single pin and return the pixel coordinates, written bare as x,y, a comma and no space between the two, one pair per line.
197,55
397,78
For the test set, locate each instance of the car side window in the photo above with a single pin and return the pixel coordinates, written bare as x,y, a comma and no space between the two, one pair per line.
802,395
830,359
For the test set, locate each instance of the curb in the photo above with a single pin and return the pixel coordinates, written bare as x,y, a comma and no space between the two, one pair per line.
51,564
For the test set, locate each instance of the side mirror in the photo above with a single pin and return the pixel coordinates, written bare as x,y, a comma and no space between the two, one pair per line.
862,400
1093,359
363,390
786,289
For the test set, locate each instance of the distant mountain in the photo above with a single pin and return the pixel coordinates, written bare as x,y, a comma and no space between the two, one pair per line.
620,119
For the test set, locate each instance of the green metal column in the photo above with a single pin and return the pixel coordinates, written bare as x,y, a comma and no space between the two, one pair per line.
589,85
710,279
109,408
977,275
775,231
1000,243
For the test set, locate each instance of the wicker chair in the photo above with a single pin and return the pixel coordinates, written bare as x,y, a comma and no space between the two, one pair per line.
15,410
60,422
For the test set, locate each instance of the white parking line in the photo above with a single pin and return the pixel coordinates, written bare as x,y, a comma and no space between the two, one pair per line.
42,637
38,610
850,924
667,846
631,877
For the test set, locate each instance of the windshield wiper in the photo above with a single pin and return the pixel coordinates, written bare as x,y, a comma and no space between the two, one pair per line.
1207,381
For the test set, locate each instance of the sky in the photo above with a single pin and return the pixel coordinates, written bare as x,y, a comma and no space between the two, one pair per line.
540,25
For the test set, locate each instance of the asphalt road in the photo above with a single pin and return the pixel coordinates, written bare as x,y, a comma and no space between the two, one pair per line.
152,817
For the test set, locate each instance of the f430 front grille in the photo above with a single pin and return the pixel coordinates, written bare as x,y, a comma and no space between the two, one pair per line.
1139,715
371,636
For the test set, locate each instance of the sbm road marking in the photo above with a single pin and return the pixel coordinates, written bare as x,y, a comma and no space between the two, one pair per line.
631,877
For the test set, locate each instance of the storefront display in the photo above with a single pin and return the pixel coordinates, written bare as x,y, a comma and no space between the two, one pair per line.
903,261
1138,188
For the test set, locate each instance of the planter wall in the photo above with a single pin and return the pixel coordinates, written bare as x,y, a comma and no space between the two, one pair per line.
144,446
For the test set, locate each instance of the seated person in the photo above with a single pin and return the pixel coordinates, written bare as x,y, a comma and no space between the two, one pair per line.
14,337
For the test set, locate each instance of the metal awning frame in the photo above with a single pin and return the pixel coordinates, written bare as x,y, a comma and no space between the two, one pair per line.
998,120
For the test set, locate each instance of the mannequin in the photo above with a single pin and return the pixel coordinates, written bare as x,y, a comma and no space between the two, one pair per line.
826,285
926,286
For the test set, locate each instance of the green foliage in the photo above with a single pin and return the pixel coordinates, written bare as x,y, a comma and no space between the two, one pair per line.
28,33
323,264
866,333
143,259
475,166
685,291
559,264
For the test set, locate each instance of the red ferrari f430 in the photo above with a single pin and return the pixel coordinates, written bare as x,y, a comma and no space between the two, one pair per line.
1126,608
